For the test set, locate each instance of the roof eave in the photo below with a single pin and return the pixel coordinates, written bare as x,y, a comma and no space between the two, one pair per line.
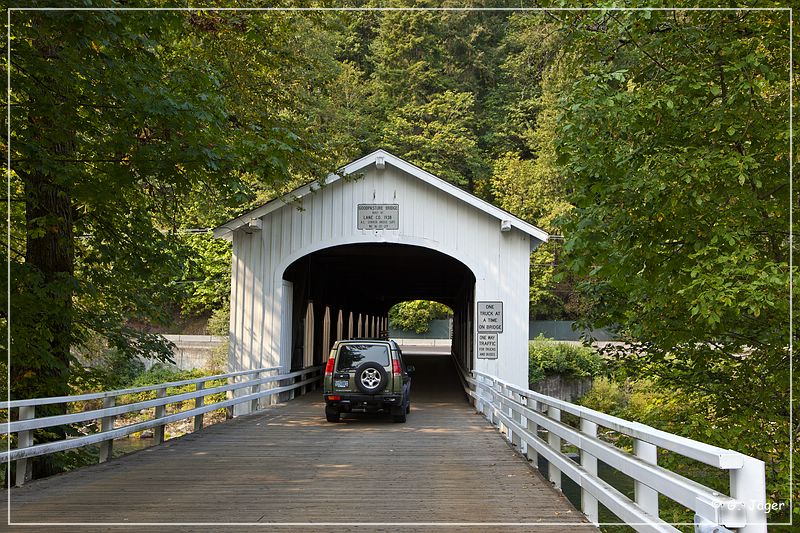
226,230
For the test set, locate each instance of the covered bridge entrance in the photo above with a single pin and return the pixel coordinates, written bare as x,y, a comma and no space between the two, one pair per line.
328,260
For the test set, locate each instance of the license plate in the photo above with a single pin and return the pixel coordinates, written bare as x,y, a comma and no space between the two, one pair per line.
341,383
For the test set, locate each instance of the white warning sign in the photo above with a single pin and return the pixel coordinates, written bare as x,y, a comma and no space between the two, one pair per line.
490,317
487,346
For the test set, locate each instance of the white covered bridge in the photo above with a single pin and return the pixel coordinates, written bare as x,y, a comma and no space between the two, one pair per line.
330,259
325,263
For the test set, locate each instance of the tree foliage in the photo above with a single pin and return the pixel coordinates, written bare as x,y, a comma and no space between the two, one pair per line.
674,140
124,127
416,315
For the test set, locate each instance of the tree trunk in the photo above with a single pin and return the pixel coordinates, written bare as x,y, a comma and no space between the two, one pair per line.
50,250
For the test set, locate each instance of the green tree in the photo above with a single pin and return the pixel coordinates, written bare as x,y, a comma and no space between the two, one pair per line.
123,125
439,136
415,315
529,183
432,74
674,141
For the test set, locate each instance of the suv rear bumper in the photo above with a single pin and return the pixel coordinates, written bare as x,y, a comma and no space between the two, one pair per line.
368,402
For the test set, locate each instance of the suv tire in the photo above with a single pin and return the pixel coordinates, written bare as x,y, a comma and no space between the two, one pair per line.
400,418
371,378
332,415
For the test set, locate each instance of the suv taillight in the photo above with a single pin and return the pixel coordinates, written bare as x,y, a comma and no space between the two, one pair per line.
329,366
395,367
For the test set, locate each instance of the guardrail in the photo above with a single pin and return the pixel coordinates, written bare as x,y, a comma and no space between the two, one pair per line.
522,415
26,421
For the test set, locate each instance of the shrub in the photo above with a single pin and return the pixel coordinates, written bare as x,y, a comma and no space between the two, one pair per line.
606,396
547,357
218,362
219,322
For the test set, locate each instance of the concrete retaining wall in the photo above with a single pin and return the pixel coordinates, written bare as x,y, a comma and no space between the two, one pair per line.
561,330
193,351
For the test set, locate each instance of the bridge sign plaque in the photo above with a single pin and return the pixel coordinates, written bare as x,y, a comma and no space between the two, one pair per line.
487,345
378,216
490,317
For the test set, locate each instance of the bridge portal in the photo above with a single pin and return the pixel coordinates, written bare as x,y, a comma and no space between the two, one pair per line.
328,260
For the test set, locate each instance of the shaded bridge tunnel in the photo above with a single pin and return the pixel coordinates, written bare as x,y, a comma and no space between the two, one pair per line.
287,464
346,292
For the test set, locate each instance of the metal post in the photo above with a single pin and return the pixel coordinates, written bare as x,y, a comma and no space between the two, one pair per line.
748,485
646,498
589,463
199,402
24,440
158,432
554,441
107,424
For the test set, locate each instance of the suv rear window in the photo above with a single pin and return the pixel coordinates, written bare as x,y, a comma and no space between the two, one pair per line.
353,355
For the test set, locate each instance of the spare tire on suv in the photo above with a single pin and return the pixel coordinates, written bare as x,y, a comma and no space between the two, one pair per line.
371,378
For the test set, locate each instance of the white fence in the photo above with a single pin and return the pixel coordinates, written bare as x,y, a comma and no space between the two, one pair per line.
256,386
532,422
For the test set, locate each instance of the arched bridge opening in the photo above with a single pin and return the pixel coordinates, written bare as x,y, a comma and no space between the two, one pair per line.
346,291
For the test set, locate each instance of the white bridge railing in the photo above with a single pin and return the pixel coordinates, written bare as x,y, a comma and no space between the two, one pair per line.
532,422
258,384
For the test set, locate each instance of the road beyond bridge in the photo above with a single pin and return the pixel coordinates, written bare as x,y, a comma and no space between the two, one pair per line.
287,464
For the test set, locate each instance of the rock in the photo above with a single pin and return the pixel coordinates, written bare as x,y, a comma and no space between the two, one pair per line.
146,434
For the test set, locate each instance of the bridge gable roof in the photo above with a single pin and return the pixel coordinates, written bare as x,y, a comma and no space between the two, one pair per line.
226,230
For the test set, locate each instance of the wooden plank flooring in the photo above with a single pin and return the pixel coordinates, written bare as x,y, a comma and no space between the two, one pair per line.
446,465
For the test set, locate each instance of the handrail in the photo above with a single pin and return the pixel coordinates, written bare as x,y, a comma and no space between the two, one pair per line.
705,453
27,422
106,394
58,420
521,414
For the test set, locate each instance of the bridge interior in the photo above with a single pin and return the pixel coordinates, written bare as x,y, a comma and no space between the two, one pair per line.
287,464
347,291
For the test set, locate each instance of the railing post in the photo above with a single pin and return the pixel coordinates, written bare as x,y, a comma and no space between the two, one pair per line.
107,424
748,485
479,393
255,389
517,417
199,402
158,432
24,440
229,395
554,441
271,399
497,405
501,393
589,463
533,429
646,498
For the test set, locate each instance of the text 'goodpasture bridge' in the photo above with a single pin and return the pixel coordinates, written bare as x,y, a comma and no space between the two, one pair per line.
325,263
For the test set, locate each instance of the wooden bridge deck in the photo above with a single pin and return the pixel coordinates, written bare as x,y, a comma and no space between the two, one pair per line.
287,464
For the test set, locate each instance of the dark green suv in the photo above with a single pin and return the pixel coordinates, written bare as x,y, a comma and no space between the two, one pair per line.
367,376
